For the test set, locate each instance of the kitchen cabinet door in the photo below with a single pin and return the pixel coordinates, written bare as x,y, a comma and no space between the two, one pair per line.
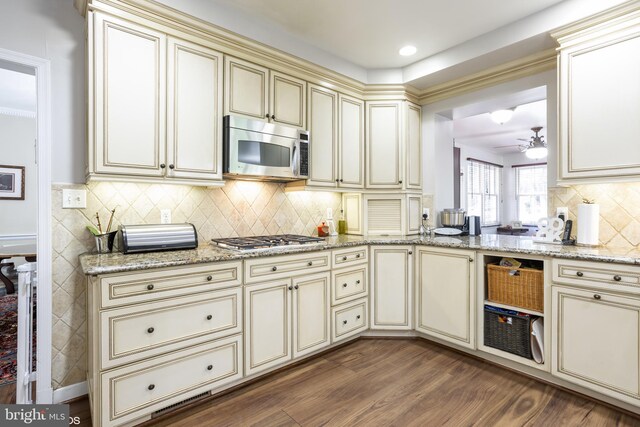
311,310
323,132
267,325
246,89
445,295
413,168
384,136
350,142
391,287
129,68
596,336
194,113
288,100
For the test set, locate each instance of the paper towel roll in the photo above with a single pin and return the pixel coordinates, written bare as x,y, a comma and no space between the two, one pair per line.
588,224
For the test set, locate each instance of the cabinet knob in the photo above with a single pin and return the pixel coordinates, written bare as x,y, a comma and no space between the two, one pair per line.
210,367
290,288
266,115
274,268
150,287
617,278
358,316
150,330
410,252
596,296
400,182
579,273
209,278
470,259
337,180
344,285
172,167
357,282
162,166
310,263
209,317
344,258
344,322
357,255
296,287
151,386
273,117
341,180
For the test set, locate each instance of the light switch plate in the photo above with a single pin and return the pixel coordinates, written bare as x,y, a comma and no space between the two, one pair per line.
74,199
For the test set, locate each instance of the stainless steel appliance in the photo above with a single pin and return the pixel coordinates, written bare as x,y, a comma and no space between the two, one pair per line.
472,225
263,151
452,217
256,243
158,237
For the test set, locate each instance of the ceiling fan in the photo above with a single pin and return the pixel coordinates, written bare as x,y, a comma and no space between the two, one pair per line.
536,147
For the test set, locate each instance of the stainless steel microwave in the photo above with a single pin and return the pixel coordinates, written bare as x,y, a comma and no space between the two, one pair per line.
264,151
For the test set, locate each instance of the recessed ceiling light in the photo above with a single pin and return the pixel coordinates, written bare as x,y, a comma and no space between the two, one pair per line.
408,50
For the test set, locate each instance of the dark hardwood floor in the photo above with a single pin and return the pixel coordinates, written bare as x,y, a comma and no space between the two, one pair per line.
8,393
393,383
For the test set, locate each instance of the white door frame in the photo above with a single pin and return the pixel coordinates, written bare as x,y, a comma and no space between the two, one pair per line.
44,391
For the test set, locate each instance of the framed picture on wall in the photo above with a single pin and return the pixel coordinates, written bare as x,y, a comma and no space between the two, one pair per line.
11,182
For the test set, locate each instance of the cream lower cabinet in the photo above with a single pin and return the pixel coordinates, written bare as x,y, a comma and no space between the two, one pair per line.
596,341
391,287
284,319
155,105
445,294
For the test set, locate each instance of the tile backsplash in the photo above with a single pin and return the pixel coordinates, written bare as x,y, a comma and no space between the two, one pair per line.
240,208
619,210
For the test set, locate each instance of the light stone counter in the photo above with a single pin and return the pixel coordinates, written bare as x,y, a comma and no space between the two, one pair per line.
95,264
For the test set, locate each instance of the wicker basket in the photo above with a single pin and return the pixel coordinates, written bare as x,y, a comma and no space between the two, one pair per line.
523,289
508,331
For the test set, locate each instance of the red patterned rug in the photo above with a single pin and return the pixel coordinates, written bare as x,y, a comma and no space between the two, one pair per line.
9,338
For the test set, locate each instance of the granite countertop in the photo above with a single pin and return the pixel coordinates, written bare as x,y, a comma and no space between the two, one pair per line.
94,264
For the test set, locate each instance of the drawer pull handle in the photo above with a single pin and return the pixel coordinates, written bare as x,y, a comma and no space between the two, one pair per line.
274,268
358,316
150,330
617,278
296,287
357,282
151,386
596,296
210,367
150,287
344,322
209,278
357,255
344,285
209,317
344,258
579,273
310,263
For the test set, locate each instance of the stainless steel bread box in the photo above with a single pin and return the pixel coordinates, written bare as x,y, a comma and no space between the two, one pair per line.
158,237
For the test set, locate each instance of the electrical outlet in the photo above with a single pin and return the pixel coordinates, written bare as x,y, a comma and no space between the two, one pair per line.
74,199
165,216
425,211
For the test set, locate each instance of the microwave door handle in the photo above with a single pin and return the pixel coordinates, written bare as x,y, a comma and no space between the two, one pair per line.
294,160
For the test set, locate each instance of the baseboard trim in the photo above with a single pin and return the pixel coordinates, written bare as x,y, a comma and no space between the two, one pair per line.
73,391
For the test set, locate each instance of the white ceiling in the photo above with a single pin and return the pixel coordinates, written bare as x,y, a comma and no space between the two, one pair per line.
370,32
17,92
481,132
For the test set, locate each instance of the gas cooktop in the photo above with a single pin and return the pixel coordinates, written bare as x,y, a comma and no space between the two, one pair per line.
256,243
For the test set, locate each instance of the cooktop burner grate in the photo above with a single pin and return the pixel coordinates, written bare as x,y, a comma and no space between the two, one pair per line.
265,242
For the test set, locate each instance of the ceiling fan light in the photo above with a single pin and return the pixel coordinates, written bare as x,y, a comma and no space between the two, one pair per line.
501,116
537,153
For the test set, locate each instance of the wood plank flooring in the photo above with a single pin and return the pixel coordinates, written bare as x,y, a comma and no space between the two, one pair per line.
378,382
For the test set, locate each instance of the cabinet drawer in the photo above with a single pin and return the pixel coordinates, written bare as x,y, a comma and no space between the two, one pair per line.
349,319
349,256
122,289
133,333
624,278
139,389
278,267
348,284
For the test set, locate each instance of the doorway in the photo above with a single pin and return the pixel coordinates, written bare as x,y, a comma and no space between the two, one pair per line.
25,254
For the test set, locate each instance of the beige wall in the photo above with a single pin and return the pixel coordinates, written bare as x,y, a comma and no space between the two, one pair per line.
239,208
619,210
17,139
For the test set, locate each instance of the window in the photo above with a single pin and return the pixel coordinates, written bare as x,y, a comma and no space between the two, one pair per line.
531,192
484,181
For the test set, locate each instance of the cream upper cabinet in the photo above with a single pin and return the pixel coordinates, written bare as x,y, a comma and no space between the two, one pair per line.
391,287
350,142
445,294
323,130
311,309
596,337
194,119
413,168
267,325
258,93
127,106
599,100
384,148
